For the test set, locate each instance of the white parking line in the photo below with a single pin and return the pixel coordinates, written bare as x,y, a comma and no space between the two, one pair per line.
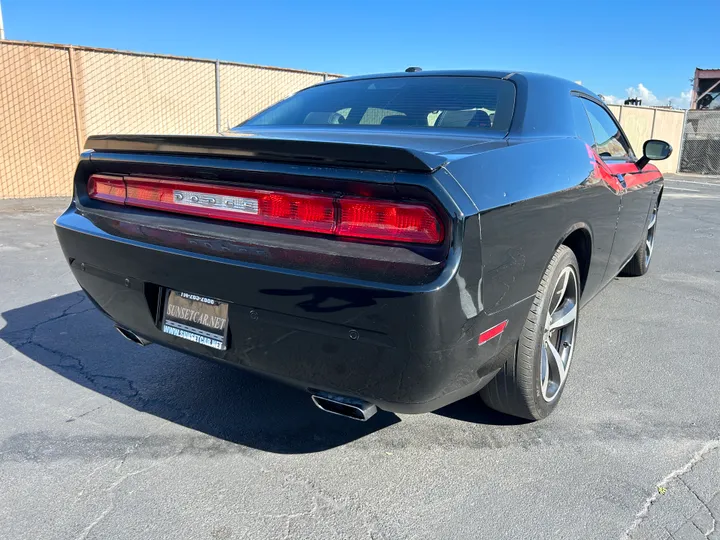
692,182
683,189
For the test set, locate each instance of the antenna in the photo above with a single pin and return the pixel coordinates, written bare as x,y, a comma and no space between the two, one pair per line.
2,28
413,69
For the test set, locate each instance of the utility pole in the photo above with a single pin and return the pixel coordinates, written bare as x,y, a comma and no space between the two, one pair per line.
2,28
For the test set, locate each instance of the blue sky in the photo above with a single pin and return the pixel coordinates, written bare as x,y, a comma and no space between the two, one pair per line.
650,47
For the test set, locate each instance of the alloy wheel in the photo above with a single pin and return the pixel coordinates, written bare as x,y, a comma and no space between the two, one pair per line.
559,334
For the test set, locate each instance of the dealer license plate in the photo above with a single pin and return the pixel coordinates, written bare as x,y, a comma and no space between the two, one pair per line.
196,318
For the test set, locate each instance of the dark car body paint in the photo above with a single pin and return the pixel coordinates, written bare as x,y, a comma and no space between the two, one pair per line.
273,146
396,325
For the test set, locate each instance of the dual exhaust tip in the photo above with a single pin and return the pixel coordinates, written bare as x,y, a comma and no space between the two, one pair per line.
132,336
353,408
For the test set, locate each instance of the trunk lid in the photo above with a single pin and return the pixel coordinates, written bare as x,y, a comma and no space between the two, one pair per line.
378,148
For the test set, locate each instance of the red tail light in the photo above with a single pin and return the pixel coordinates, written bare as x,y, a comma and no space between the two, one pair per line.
261,207
106,188
381,220
351,217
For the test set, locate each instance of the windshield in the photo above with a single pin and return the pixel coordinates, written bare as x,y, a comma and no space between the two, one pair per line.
399,103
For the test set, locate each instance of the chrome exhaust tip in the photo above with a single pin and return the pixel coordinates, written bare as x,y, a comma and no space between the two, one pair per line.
353,408
131,336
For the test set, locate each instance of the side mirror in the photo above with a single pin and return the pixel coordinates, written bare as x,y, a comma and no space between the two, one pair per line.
654,149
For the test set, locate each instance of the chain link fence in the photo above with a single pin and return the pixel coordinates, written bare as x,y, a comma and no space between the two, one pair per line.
701,143
129,93
245,91
38,138
53,97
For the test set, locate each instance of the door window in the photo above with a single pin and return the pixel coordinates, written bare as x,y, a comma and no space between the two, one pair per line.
610,143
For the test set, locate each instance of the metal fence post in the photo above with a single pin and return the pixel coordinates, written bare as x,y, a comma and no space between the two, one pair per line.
652,127
682,142
218,118
76,101
2,28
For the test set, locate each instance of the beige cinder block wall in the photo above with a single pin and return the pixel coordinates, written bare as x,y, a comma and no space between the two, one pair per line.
669,127
643,123
38,143
52,97
129,93
240,97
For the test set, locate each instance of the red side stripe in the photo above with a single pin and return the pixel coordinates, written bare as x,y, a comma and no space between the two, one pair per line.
632,176
622,168
632,180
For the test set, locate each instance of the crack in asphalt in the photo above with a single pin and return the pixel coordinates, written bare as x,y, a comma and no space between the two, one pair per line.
32,329
703,503
86,531
73,418
77,366
290,517
81,370
677,474
113,488
133,394
130,392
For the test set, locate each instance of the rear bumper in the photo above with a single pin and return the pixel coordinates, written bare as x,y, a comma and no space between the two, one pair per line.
406,349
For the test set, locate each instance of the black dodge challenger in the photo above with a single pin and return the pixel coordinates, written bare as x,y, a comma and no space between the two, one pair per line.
397,241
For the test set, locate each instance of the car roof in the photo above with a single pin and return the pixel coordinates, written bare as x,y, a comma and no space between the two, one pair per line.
435,73
529,76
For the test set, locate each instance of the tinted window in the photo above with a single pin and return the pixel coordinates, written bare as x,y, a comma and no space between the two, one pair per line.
582,124
609,140
415,102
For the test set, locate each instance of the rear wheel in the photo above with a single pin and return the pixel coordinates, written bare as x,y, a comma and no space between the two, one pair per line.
639,264
532,381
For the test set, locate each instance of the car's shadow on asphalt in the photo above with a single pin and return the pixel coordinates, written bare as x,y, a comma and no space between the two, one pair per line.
473,411
67,335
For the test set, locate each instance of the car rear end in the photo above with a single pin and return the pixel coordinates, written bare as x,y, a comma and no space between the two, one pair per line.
343,270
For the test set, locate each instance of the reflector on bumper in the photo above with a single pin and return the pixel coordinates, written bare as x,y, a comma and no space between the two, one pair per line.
491,333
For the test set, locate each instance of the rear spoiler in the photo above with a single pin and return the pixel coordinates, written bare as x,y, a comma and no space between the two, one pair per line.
363,156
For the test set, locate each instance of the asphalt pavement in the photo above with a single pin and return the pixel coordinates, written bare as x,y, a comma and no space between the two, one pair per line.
100,438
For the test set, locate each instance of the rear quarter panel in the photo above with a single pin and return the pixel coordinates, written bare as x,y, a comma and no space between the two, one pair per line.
530,196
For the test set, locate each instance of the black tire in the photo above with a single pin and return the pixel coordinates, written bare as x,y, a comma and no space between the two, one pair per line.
516,389
640,262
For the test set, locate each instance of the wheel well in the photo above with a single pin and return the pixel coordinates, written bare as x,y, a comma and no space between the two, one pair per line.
579,241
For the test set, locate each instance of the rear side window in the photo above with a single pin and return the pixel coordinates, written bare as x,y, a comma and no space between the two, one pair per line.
582,123
609,140
399,102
